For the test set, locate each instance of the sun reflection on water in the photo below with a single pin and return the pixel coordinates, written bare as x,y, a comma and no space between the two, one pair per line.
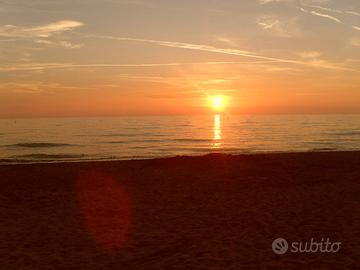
217,131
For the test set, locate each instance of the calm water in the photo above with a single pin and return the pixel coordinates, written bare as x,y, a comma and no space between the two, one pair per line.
57,139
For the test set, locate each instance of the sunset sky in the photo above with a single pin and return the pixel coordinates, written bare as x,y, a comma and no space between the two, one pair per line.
151,57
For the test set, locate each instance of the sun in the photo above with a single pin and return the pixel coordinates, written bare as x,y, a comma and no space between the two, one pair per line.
217,102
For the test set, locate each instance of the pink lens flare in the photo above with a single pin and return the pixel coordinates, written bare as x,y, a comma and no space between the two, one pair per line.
105,207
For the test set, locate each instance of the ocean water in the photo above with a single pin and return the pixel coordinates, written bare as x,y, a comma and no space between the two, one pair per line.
73,139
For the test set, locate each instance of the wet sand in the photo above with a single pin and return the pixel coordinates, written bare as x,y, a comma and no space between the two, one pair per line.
210,212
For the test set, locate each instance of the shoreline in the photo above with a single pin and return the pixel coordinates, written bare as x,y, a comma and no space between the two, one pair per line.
7,162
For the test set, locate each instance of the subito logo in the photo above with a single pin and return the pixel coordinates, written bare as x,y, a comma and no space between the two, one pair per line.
280,246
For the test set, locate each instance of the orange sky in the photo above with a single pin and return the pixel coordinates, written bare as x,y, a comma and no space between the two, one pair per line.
134,57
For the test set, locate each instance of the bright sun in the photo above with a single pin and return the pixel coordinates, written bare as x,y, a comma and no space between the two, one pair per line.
217,102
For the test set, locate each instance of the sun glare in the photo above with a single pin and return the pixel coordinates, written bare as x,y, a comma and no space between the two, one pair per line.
217,103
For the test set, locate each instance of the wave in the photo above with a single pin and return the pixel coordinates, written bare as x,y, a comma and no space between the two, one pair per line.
322,143
220,150
116,135
38,145
346,133
136,141
153,135
324,149
116,142
193,140
146,140
134,134
204,149
50,156
140,147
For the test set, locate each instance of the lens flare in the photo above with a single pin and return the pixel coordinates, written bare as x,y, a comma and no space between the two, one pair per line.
105,207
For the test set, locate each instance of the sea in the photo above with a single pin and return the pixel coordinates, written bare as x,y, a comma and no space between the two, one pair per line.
123,138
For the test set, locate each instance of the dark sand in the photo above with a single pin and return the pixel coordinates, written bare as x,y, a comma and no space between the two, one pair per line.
212,212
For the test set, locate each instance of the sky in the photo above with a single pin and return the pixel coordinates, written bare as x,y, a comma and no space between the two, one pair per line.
166,57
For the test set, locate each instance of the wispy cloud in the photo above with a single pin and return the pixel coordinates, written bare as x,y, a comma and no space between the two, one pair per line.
49,66
353,13
315,13
43,34
42,31
198,47
264,2
35,87
350,12
354,42
266,24
279,28
20,87
315,8
43,41
327,16
55,43
52,28
227,41
227,51
281,69
69,45
310,54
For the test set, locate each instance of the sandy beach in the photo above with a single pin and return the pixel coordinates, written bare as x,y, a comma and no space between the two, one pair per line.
211,212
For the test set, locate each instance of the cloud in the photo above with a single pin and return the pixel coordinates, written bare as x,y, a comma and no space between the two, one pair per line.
310,54
350,12
179,45
335,19
197,47
35,87
315,13
49,66
21,87
42,34
53,28
353,13
64,43
326,16
227,41
279,28
264,2
266,24
280,69
43,31
314,7
26,57
43,41
70,45
228,51
354,42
